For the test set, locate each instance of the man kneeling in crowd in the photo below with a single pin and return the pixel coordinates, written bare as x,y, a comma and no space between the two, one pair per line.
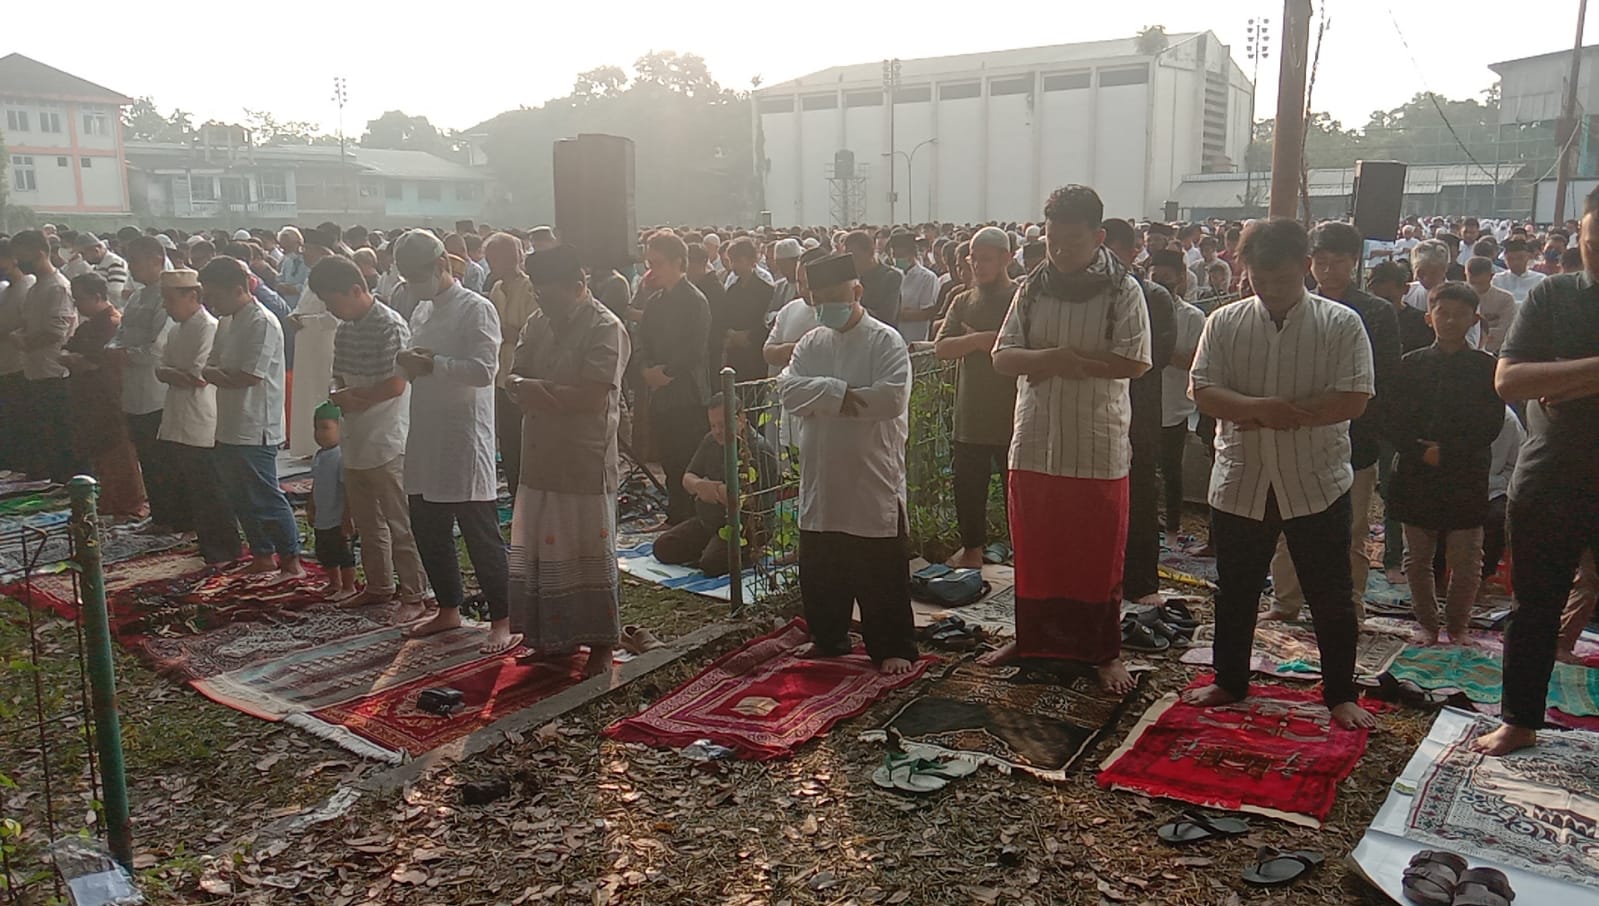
700,541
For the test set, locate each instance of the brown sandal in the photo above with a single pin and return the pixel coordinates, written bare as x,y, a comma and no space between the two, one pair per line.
1483,887
1432,877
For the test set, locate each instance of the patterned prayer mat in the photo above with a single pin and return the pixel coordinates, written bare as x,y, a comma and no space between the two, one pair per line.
1276,753
298,488
116,544
1384,598
57,590
1289,651
1573,689
1179,566
1010,717
238,645
1537,809
52,519
10,487
762,701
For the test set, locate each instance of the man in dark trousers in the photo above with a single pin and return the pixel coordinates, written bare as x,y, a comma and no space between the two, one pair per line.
671,347
738,327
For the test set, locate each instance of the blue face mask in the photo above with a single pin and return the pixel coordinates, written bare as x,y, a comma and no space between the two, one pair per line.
834,314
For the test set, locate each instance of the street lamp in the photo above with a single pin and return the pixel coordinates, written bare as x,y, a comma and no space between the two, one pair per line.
910,178
1257,46
891,70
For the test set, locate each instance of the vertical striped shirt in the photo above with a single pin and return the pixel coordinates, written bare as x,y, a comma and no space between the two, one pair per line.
1320,348
1076,428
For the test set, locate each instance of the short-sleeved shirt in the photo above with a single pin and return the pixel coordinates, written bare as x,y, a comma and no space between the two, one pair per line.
1320,348
918,289
11,299
189,415
250,341
364,352
1077,428
1558,322
327,488
880,294
1175,406
573,452
710,463
47,310
985,401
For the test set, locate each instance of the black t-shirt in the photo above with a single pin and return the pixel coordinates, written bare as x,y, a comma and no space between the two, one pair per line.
1558,322
710,462
880,294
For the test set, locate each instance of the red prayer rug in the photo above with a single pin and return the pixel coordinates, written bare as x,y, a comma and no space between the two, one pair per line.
762,700
1276,753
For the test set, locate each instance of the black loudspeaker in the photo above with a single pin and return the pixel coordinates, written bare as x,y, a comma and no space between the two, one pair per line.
1172,211
1379,198
843,164
594,207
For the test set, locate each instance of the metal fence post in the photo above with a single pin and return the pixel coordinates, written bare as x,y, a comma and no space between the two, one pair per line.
735,530
85,527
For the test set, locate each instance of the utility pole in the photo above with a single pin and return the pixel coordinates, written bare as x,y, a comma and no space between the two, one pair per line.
1288,136
1257,46
890,88
1568,118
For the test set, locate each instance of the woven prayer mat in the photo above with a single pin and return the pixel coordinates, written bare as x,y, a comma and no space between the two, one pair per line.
1383,598
1014,718
37,502
10,487
207,599
390,721
762,700
46,521
1289,650
57,590
340,671
117,543
1187,569
297,488
238,645
1573,688
1537,809
1276,753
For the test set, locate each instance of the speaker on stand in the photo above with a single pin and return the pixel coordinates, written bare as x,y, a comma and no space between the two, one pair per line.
594,199
1379,199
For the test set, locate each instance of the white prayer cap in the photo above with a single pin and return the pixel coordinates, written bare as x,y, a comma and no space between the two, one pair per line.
1033,232
811,243
290,231
787,249
712,239
993,236
165,241
241,235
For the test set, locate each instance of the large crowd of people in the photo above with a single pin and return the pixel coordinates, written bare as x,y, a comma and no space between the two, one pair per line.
413,368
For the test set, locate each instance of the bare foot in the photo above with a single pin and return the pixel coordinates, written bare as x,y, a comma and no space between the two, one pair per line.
446,619
1351,716
1115,679
1172,543
1396,577
1208,697
599,661
1424,638
1151,600
999,656
291,568
1570,657
263,564
332,590
410,613
369,596
895,666
500,641
810,652
968,558
1273,615
1504,740
1201,550
1461,638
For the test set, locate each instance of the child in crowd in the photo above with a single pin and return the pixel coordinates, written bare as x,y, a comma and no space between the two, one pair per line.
330,519
1445,416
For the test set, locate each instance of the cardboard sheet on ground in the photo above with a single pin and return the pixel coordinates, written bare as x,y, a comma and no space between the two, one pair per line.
1393,838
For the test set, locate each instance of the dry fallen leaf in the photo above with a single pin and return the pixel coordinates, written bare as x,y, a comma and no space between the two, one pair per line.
409,876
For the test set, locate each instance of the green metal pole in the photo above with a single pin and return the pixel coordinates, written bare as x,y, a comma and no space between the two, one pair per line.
735,531
85,528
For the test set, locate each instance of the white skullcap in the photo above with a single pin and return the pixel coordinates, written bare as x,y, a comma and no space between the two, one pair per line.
787,249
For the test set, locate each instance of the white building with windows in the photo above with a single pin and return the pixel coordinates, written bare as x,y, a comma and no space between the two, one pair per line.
987,136
63,140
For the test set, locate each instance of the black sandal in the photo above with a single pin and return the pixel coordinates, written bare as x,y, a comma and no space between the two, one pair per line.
1276,868
1483,887
1193,826
1138,637
1432,878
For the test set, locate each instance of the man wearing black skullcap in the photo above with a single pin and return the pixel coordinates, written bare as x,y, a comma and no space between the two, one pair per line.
847,386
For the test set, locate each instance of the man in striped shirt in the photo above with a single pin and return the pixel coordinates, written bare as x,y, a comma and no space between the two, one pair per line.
107,264
1283,373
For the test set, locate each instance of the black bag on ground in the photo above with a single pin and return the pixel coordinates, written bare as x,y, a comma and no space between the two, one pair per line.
948,587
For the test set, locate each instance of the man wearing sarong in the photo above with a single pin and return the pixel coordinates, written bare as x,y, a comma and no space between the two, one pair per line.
567,378
847,387
1283,373
1077,333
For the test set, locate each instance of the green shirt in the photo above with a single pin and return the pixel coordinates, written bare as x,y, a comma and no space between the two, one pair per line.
985,401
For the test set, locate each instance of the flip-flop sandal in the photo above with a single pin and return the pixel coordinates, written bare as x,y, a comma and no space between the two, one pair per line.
1194,826
1138,637
998,553
939,627
511,644
910,774
1483,887
1176,613
1276,868
1432,877
637,640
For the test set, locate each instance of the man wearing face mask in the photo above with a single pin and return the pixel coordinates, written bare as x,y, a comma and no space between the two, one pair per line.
918,289
847,388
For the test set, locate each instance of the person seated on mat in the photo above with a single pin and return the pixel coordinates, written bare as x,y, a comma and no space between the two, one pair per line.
1282,458
331,521
848,388
1443,418
699,541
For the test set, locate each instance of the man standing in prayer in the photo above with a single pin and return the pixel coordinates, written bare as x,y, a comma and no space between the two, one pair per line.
672,337
449,449
918,289
111,267
879,283
141,339
848,388
985,401
375,398
246,365
1516,279
785,258
1283,373
309,350
48,317
738,329
13,386
567,377
292,269
1077,333
512,296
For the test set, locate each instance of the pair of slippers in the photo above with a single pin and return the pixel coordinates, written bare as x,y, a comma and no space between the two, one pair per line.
910,774
1442,879
952,634
1154,629
1272,867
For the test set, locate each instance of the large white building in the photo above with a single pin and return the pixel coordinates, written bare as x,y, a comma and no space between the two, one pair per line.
986,136
63,138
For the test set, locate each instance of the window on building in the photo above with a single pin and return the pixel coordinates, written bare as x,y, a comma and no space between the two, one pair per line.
428,191
959,91
86,162
1000,87
393,189
827,101
784,104
913,94
49,122
202,188
468,191
17,120
274,187
234,190
1110,78
95,123
309,194
873,98
22,176
62,161
1067,81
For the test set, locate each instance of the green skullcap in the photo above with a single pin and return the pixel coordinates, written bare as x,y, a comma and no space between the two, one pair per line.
327,412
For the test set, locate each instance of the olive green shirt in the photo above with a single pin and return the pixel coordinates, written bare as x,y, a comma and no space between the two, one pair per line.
985,401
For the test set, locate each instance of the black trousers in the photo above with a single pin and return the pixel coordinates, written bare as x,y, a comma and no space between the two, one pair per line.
1548,536
839,570
508,434
13,419
1173,441
1319,545
48,433
202,507
1141,570
974,466
693,543
160,481
433,524
1493,536
678,431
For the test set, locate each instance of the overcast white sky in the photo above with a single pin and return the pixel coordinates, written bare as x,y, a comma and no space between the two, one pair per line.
464,62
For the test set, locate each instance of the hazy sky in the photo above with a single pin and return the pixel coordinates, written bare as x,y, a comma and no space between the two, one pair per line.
464,62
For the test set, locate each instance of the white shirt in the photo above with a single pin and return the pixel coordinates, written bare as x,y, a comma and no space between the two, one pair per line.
10,321
1503,456
1518,286
1402,248
449,451
918,289
189,416
1416,297
250,341
143,335
1192,255
1076,428
853,480
1175,405
1321,348
794,320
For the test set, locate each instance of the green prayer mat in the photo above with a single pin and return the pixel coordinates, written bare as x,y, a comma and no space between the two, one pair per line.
1573,689
28,504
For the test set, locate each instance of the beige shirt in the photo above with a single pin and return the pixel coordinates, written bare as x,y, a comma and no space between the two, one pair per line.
189,415
47,312
1498,310
513,300
11,321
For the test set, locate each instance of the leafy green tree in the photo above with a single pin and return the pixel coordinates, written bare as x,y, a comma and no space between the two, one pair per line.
142,122
397,129
266,129
1152,39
